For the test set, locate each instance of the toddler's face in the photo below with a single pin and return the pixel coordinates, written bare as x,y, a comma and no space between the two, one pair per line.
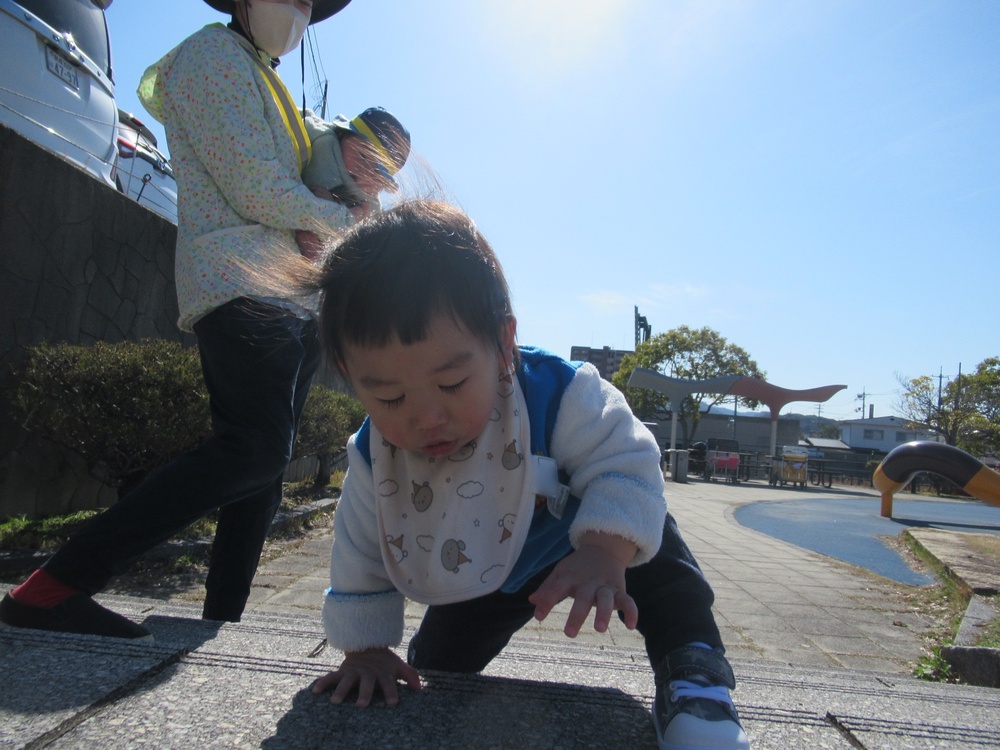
434,396
360,160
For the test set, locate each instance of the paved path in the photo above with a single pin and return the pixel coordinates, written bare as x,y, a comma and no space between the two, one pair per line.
822,652
774,600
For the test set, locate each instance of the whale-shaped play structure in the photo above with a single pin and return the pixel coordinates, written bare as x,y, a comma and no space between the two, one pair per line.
773,396
952,463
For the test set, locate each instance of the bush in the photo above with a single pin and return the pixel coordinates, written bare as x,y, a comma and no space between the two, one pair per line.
126,408
129,408
328,420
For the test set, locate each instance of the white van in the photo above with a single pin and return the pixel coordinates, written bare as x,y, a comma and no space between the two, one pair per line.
143,172
56,86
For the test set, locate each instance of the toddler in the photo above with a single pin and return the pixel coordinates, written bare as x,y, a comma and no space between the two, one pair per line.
491,481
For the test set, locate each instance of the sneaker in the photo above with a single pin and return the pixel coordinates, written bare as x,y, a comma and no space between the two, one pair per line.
75,614
693,710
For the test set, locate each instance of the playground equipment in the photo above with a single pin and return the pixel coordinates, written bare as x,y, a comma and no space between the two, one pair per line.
952,463
775,398
772,396
722,459
790,467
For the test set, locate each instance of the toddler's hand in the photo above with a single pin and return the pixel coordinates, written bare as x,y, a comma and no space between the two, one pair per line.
366,670
594,575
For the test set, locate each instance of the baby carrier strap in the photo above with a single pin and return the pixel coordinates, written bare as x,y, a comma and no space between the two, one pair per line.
290,114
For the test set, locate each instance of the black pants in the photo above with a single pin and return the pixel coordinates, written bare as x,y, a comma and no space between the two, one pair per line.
672,595
258,361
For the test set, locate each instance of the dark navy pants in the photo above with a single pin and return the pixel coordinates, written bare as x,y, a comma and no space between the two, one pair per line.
672,595
258,361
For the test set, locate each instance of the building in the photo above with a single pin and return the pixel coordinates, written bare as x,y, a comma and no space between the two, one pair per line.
607,360
881,434
751,430
819,447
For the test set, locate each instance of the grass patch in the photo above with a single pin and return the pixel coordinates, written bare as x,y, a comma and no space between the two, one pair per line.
48,534
307,491
21,533
949,599
989,636
933,667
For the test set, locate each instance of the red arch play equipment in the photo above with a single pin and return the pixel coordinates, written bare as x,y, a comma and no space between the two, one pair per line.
952,463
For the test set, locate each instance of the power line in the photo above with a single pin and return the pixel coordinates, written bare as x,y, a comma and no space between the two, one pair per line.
321,84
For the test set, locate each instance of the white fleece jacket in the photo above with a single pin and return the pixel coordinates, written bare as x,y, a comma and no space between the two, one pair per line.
613,463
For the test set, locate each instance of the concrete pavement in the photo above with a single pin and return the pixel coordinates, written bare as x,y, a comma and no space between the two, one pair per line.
823,652
774,600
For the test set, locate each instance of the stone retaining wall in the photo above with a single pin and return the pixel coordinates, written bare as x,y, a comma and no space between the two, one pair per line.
79,262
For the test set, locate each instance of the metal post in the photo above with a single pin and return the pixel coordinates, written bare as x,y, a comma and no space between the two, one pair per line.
886,509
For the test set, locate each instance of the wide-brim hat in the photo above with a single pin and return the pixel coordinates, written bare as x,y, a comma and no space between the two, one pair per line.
322,9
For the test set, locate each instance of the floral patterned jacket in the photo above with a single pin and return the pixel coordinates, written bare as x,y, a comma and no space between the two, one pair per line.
240,193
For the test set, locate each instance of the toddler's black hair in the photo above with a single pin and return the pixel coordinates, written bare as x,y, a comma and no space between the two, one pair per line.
394,272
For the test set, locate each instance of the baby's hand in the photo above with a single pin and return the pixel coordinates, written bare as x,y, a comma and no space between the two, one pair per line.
321,193
365,670
594,575
310,244
361,211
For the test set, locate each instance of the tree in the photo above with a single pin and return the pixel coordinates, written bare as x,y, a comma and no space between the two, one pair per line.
982,394
965,411
926,403
830,432
688,354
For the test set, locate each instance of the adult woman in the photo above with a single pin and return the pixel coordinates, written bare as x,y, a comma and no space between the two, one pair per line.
237,146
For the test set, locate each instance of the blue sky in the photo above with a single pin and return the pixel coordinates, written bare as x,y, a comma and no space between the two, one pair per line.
817,181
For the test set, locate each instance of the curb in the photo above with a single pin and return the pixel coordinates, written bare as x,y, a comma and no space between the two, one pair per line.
976,665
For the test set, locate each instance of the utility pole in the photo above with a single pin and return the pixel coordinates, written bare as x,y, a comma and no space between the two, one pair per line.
958,399
863,395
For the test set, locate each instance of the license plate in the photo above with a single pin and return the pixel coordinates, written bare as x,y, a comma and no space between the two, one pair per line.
61,67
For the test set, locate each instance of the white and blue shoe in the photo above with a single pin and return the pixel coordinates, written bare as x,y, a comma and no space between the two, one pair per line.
693,709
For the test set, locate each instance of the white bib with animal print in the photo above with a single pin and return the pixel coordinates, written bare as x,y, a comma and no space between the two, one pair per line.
452,528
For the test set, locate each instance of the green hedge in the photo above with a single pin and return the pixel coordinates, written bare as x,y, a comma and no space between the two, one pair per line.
128,408
328,420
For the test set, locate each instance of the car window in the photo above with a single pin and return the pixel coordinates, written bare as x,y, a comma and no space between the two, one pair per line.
80,18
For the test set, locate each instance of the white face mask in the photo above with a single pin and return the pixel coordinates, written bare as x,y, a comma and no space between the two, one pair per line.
276,28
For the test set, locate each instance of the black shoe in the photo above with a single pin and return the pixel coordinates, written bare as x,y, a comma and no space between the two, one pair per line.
76,614
692,709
